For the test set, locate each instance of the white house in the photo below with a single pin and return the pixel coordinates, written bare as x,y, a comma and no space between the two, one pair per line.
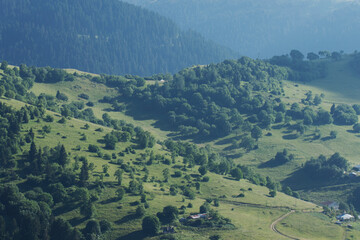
345,217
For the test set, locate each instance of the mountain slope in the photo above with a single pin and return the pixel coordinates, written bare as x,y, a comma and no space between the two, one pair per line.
99,36
264,28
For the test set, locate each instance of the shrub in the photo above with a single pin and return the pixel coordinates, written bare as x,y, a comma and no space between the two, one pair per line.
84,96
205,179
272,193
49,118
93,148
140,211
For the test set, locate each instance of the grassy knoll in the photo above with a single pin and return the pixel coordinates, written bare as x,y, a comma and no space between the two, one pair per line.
96,92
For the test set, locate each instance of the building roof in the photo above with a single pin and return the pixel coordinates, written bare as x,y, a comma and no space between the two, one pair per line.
345,217
196,216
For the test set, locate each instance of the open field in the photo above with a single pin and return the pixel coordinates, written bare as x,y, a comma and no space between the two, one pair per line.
310,226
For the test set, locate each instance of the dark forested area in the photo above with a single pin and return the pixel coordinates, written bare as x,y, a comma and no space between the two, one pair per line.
212,101
99,36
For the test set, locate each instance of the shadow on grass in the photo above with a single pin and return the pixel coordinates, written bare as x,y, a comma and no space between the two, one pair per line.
126,219
231,147
65,208
290,136
110,200
138,235
224,141
279,126
351,131
77,221
300,180
230,178
324,139
141,112
271,164
233,156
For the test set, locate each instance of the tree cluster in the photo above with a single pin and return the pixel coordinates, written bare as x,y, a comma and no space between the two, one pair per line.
323,168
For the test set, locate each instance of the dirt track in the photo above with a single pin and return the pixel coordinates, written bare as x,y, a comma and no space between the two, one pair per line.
273,225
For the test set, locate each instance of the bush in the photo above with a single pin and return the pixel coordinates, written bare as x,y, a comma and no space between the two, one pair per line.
204,208
105,226
205,179
62,120
140,211
90,104
272,193
177,174
84,96
356,127
61,96
93,148
49,118
241,195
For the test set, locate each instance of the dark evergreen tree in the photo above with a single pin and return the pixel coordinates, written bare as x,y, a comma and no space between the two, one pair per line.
63,157
84,172
32,152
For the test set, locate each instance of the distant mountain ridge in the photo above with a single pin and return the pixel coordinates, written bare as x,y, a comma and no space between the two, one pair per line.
106,36
263,28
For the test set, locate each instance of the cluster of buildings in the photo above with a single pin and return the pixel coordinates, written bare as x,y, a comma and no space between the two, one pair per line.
345,217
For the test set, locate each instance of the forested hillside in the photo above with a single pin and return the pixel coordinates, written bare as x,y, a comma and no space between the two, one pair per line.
71,162
66,178
99,36
262,28
211,101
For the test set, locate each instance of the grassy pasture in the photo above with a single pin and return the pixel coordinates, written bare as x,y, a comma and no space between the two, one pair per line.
310,226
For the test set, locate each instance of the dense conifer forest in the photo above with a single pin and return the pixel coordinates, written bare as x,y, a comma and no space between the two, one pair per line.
99,36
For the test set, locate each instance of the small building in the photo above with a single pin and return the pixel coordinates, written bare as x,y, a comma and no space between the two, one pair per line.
345,217
353,174
197,216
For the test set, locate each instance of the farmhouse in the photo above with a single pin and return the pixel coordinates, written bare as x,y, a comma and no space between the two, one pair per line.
345,217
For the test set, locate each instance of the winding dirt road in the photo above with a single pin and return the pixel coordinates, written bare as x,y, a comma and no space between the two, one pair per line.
273,225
